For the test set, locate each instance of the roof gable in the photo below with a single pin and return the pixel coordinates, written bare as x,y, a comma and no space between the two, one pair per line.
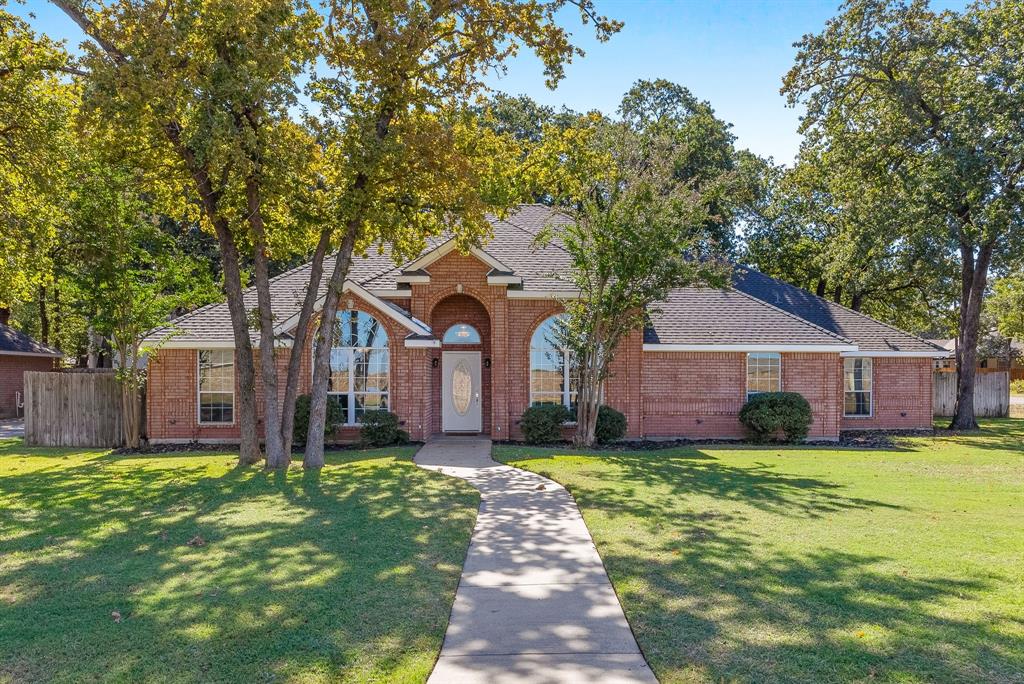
16,343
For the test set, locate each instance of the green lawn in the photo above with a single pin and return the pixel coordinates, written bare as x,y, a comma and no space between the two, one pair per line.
813,565
221,573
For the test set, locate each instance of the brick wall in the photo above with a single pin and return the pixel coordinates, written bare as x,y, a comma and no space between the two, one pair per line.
700,394
12,381
662,394
902,397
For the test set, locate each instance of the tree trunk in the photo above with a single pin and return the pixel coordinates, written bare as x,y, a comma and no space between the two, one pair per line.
277,457
973,280
314,454
299,340
857,301
588,403
95,341
822,285
44,318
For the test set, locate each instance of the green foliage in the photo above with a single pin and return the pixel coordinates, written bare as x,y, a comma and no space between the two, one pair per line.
917,112
611,425
768,413
381,428
1017,387
1006,305
37,107
542,423
335,417
647,197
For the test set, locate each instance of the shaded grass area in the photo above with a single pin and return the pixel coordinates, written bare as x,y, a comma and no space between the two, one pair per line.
785,564
221,573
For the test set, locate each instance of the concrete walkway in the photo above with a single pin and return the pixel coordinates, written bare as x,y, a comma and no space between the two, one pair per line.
12,427
534,603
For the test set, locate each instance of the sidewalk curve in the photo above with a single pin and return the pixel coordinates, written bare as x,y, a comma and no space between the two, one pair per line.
534,603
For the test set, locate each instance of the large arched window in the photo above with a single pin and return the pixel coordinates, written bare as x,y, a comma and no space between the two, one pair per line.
359,365
553,377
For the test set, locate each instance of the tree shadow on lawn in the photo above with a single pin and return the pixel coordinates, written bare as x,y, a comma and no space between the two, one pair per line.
710,599
240,575
661,478
717,612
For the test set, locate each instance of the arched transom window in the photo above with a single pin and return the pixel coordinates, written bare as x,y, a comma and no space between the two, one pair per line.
461,333
553,377
359,365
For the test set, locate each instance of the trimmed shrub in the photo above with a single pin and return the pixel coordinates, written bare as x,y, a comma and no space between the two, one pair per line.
380,428
542,424
611,425
769,413
300,428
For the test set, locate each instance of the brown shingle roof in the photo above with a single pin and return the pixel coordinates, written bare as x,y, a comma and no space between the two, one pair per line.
758,310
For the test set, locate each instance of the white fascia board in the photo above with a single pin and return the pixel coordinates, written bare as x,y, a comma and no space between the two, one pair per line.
414,343
504,280
376,302
213,344
49,355
543,294
195,344
392,294
409,279
901,354
828,348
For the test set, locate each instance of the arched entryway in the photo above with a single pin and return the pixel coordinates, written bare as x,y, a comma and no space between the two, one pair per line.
461,367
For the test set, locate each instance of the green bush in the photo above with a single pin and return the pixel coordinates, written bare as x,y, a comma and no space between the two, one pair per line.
769,413
611,425
380,428
1017,387
300,428
542,424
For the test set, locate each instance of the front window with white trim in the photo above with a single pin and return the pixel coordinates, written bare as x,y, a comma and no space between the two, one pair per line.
360,365
552,379
857,384
764,373
216,383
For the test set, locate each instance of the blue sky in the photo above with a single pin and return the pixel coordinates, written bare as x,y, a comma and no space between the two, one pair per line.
733,54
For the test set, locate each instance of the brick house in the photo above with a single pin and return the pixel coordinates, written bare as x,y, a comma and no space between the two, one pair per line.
19,353
456,342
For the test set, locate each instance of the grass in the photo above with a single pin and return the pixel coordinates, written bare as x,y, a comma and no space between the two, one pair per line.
185,568
785,564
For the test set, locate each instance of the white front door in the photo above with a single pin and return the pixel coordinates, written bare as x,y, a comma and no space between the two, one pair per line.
460,391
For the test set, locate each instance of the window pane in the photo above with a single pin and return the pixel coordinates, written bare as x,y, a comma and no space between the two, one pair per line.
764,373
340,360
370,370
857,375
857,404
216,407
216,370
369,402
359,329
342,401
461,333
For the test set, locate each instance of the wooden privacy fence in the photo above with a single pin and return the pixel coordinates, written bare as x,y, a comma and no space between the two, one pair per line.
991,394
73,409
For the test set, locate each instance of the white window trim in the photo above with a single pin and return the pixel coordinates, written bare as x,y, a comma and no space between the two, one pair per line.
746,374
870,392
200,392
351,393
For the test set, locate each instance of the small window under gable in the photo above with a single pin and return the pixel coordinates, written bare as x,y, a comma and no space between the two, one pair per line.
461,333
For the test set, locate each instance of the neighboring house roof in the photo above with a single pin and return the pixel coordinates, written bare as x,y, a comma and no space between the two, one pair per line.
15,343
757,311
